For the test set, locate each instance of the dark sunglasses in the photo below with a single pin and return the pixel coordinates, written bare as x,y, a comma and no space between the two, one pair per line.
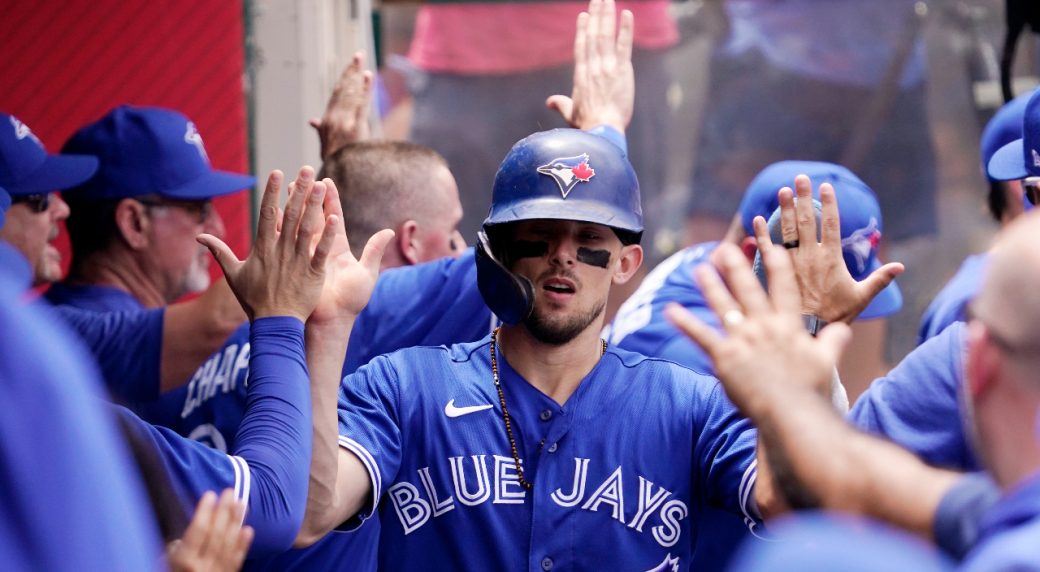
37,203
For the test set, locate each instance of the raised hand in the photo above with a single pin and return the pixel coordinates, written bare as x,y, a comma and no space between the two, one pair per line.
349,281
285,271
346,114
765,348
215,541
604,82
827,289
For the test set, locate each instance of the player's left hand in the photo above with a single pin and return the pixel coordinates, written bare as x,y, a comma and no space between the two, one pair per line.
827,289
346,114
604,81
764,348
215,541
348,281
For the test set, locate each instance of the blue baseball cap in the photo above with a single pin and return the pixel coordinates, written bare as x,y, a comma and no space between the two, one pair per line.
1020,158
860,219
1004,127
26,168
146,151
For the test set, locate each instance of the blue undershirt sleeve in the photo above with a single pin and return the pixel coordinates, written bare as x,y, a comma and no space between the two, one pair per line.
274,438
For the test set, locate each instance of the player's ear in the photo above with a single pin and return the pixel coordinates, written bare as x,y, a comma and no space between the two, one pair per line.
749,246
981,363
408,243
132,221
629,261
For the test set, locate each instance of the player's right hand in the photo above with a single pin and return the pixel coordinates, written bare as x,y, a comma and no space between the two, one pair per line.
285,271
604,80
765,348
346,115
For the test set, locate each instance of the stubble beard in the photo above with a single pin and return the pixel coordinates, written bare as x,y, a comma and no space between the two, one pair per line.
560,332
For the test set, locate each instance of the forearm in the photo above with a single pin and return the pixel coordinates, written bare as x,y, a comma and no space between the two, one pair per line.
326,348
274,438
193,330
815,459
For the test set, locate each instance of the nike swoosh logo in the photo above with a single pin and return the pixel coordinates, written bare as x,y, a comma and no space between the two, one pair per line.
451,411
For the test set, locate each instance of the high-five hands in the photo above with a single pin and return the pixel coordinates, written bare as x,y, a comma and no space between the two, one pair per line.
604,81
346,114
827,289
285,271
765,348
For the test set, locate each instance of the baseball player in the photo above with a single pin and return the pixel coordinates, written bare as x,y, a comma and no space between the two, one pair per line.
133,233
275,436
1006,201
475,452
189,331
840,468
640,325
917,403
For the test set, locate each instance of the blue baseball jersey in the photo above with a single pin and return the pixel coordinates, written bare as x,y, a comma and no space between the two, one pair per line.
1008,532
69,492
917,405
618,471
269,466
951,302
640,325
436,303
197,410
210,409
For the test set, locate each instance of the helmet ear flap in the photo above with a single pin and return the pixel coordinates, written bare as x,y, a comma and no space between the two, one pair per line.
510,296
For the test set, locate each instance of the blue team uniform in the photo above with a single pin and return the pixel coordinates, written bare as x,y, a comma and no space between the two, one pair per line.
917,404
623,469
1008,532
70,495
640,325
270,462
430,304
190,410
210,409
951,302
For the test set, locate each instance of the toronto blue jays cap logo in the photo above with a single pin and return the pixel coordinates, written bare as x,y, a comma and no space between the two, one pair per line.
862,242
568,172
21,131
192,137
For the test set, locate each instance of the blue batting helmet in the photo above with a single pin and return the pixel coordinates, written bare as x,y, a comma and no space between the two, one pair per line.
562,174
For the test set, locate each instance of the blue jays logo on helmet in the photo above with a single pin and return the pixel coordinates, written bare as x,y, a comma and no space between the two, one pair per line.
862,243
568,172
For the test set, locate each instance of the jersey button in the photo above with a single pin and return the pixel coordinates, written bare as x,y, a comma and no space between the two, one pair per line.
552,448
547,563
545,415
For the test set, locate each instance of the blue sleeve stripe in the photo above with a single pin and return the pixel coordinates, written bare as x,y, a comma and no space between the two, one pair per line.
752,518
370,465
243,479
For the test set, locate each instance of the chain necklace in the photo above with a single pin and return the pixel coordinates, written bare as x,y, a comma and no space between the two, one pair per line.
505,411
